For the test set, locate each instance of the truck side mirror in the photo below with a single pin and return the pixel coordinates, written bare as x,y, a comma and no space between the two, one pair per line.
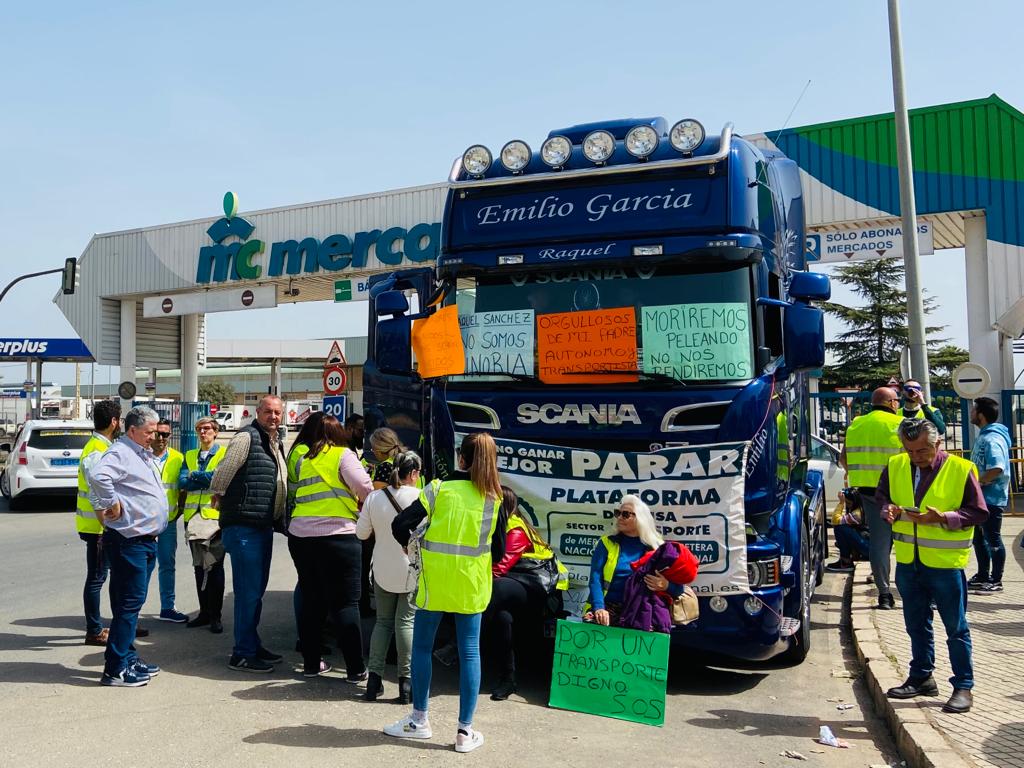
810,286
390,304
393,345
803,331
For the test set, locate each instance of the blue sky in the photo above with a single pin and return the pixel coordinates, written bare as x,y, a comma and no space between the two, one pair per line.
134,114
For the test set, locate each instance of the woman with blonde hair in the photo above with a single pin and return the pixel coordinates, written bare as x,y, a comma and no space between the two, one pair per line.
386,446
457,549
613,557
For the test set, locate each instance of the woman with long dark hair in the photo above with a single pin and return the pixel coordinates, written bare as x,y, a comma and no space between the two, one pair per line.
329,485
457,548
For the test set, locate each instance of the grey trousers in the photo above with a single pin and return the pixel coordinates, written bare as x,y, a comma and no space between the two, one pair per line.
881,543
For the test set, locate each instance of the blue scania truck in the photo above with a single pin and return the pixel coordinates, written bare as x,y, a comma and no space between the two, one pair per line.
609,220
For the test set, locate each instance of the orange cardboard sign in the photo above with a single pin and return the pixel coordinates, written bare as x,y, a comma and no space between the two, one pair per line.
437,344
570,344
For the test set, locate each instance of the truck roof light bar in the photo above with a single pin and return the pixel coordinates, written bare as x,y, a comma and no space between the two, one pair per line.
724,147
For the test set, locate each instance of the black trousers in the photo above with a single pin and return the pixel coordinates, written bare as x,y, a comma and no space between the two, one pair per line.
330,577
512,602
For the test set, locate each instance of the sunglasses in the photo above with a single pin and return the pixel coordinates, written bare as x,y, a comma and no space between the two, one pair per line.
625,514
164,435
206,428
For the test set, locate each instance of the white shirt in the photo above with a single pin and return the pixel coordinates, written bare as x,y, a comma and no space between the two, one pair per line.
390,563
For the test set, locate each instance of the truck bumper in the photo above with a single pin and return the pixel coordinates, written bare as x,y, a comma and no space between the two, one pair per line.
735,632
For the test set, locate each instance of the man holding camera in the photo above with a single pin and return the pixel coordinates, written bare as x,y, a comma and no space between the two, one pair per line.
933,501
870,441
914,406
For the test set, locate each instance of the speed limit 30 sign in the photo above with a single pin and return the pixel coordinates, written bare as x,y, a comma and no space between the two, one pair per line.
334,381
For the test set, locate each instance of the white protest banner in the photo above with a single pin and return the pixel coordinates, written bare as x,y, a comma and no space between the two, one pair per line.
695,493
498,342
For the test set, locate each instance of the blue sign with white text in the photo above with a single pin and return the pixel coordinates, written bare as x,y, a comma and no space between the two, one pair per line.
590,212
336,406
20,348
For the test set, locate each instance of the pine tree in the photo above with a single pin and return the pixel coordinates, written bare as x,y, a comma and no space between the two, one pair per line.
867,353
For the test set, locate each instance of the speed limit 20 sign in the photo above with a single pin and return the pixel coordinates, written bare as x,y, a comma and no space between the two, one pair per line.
334,381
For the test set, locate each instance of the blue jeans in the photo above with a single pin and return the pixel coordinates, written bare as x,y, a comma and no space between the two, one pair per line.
131,565
467,632
250,549
96,569
166,544
850,541
988,545
919,587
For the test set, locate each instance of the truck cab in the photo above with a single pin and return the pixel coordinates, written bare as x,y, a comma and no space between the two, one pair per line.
630,287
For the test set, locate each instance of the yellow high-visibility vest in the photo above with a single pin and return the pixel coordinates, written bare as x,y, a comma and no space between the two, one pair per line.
455,576
85,516
871,441
608,572
170,474
199,500
319,491
936,546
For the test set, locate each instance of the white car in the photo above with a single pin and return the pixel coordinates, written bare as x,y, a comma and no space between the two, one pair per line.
43,460
825,458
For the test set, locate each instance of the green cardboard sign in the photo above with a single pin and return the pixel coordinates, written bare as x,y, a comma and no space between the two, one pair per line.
610,671
698,341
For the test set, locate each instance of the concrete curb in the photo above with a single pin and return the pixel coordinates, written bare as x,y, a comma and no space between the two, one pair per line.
919,739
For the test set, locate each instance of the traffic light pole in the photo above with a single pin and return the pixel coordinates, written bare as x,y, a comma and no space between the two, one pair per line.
17,280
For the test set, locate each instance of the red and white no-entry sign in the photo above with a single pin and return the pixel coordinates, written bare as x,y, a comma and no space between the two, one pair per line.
334,381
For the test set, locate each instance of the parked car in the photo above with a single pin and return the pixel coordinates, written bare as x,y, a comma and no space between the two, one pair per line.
825,458
43,460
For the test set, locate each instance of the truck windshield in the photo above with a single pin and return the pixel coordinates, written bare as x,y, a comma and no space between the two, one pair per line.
585,326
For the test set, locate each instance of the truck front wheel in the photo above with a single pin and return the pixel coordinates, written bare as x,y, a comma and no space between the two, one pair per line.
800,606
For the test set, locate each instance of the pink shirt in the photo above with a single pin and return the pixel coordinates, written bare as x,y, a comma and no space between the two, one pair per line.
352,474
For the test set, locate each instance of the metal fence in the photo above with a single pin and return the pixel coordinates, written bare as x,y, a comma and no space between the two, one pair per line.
183,417
835,410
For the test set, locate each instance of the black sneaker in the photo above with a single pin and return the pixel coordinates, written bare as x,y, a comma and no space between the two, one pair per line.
886,602
126,678
990,587
242,664
839,567
977,581
264,655
141,667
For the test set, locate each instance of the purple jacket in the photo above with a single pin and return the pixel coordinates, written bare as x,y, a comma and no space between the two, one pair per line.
641,608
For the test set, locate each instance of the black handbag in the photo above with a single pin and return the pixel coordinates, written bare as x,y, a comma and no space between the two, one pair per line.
542,574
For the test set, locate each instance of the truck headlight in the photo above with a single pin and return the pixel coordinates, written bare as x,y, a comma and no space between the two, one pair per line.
556,151
686,135
476,160
764,573
598,146
641,141
516,155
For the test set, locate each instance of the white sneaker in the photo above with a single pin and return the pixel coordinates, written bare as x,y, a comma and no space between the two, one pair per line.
467,742
407,728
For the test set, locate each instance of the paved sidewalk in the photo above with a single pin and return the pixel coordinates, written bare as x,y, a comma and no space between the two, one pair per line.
992,733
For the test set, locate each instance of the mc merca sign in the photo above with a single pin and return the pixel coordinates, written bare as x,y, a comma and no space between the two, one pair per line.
236,255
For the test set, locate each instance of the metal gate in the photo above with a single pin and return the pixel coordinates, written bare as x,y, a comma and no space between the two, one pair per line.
183,417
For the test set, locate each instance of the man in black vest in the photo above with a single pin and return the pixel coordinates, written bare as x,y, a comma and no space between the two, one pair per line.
249,488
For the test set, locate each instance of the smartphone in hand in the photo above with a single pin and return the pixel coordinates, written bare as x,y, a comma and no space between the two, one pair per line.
912,510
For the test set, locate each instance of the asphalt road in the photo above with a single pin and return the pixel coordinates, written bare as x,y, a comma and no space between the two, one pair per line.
199,713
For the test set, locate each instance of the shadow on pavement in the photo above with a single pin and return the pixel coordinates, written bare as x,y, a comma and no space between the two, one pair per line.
10,641
48,674
767,724
76,623
327,737
1003,746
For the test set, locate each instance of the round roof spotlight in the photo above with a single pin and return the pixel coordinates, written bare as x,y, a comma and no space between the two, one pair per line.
476,160
641,141
686,135
598,146
516,155
556,151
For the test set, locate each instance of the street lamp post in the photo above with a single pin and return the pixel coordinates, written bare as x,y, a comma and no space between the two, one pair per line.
908,209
